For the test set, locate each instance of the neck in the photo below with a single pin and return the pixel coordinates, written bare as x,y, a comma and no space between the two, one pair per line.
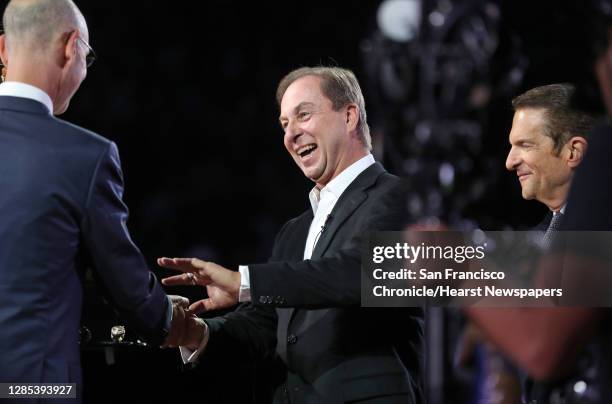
352,156
28,71
556,205
557,198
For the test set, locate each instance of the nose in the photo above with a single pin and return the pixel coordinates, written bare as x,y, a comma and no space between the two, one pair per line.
513,160
292,132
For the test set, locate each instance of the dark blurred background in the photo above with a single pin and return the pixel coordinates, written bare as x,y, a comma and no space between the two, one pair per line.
186,90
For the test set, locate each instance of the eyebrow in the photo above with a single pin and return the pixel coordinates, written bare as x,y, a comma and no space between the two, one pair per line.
522,141
297,108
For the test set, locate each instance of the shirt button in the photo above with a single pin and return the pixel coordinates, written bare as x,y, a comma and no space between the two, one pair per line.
291,339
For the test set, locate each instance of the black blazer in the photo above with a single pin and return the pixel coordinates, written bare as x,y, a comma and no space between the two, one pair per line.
309,310
61,209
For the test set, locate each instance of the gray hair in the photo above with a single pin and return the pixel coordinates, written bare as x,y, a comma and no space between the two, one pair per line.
340,86
38,23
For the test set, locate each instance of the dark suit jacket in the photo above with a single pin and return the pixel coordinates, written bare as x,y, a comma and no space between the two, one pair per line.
60,209
588,210
333,349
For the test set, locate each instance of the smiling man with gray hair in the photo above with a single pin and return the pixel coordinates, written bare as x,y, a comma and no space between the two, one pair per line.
303,307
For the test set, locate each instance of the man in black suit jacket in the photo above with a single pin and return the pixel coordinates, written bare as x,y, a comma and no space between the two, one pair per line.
305,301
548,142
60,205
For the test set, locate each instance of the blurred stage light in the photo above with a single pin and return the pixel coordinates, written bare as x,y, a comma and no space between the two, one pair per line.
399,20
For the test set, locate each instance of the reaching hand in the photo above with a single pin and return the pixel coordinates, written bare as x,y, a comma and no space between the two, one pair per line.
221,284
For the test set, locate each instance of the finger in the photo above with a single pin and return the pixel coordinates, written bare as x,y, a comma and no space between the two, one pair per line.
201,306
179,300
183,279
181,264
175,263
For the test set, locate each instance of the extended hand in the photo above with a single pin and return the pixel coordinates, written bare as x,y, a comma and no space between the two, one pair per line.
221,284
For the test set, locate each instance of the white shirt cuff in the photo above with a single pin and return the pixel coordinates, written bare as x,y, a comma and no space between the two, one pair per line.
190,356
244,295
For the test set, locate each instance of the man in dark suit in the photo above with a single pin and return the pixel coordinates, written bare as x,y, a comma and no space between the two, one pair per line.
548,142
305,302
60,205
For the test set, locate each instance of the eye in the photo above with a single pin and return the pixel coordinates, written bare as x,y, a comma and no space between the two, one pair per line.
303,115
524,144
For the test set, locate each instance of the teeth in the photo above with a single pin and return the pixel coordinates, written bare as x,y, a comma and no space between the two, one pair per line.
303,150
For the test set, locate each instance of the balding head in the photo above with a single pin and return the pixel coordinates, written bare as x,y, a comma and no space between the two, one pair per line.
38,24
45,44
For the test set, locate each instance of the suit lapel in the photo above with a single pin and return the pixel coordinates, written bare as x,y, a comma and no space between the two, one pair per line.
543,225
349,201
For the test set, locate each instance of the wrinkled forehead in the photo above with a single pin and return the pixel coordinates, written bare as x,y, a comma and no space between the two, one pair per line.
303,91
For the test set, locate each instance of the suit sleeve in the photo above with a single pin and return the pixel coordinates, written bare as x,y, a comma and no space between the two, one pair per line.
132,289
335,279
248,333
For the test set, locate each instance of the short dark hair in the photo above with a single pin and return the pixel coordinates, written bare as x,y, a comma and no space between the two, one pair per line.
562,121
340,86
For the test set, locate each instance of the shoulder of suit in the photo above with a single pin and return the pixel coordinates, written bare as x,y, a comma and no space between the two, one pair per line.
390,181
77,135
306,215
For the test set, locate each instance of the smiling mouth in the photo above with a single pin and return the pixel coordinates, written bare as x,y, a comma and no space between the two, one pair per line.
306,150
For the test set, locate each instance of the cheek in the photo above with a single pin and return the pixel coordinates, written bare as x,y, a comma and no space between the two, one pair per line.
530,160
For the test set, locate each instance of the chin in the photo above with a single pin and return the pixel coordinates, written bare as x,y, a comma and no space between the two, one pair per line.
528,197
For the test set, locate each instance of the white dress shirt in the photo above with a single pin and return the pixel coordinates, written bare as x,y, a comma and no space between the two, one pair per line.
322,203
23,90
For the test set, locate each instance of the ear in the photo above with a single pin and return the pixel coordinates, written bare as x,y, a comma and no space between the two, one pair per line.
352,116
577,147
3,50
69,50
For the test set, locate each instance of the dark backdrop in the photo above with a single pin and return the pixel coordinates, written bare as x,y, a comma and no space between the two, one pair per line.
186,90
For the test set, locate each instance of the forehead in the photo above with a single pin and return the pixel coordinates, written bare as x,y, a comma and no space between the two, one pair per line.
303,90
528,123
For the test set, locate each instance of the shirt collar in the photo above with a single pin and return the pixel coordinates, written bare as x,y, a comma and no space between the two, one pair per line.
339,184
23,90
562,210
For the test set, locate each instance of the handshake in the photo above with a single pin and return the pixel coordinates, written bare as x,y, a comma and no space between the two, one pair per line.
186,328
222,286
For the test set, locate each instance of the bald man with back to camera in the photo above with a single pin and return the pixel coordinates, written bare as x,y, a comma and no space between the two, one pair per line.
61,206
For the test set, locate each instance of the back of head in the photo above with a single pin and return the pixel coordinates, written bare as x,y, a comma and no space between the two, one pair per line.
36,25
562,120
